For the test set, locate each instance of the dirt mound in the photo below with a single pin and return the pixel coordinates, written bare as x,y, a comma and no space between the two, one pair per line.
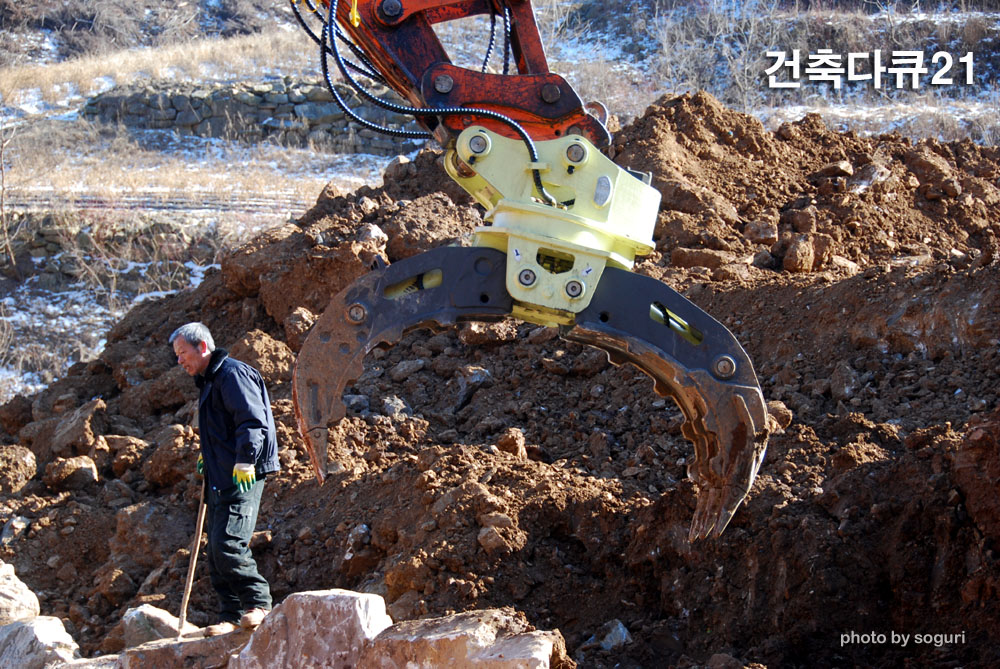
498,465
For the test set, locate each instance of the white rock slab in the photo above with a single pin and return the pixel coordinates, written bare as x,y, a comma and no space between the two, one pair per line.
148,623
17,601
482,639
36,643
322,628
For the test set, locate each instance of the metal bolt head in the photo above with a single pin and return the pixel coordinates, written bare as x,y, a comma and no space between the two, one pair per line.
724,367
574,288
551,93
575,152
443,83
526,277
392,8
478,143
602,190
356,313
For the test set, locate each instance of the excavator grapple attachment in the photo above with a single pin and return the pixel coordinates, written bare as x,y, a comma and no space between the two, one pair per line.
562,226
691,357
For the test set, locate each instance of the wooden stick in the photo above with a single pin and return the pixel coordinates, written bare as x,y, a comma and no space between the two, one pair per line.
195,545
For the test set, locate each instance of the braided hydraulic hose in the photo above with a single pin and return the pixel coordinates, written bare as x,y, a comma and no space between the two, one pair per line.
506,39
493,35
367,70
415,111
409,134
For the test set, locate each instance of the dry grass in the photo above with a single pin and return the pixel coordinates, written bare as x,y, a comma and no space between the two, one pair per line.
721,49
8,228
107,259
924,117
118,255
278,51
6,335
64,160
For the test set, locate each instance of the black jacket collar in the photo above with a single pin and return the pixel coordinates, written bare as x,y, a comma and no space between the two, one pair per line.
214,362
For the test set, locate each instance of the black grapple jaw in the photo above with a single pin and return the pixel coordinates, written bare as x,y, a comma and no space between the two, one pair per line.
690,356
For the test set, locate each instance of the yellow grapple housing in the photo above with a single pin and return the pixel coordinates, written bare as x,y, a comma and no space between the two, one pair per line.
604,215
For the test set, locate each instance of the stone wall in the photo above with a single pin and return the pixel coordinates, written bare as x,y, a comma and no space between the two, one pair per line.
293,113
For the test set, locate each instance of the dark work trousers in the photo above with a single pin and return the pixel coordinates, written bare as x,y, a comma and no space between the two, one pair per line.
231,517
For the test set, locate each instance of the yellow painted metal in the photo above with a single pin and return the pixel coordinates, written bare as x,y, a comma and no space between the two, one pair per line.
605,216
426,281
538,254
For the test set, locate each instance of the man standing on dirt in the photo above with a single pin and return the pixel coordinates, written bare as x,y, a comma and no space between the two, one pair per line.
238,450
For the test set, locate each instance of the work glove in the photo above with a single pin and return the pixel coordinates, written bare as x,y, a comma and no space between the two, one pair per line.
199,467
244,476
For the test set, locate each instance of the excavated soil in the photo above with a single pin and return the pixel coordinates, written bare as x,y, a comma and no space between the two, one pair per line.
498,465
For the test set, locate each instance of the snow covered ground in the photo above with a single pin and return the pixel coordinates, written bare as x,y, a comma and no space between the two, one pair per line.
44,330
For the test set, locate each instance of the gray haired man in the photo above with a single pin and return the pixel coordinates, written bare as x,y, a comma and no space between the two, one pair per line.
238,450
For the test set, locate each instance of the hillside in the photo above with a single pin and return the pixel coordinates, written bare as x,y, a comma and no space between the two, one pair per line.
44,30
861,275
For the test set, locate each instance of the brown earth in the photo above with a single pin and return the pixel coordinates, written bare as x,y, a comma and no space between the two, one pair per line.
501,466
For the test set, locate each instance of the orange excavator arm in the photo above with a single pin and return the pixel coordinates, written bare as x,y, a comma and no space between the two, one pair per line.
399,42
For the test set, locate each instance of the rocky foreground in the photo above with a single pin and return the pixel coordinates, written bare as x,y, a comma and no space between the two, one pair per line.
500,466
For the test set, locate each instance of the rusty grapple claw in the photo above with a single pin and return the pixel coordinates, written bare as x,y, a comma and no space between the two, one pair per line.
690,356
696,361
435,289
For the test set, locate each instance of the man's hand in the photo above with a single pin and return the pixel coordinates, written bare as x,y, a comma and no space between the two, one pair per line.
199,467
244,476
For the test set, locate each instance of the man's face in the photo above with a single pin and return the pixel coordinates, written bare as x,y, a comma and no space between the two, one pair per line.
194,359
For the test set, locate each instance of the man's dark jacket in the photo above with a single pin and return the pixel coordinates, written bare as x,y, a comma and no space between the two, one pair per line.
234,420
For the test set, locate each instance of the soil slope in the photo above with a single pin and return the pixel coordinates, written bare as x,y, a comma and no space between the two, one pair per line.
498,465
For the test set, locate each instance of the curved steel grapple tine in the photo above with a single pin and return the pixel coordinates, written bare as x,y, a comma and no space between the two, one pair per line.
437,288
697,362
